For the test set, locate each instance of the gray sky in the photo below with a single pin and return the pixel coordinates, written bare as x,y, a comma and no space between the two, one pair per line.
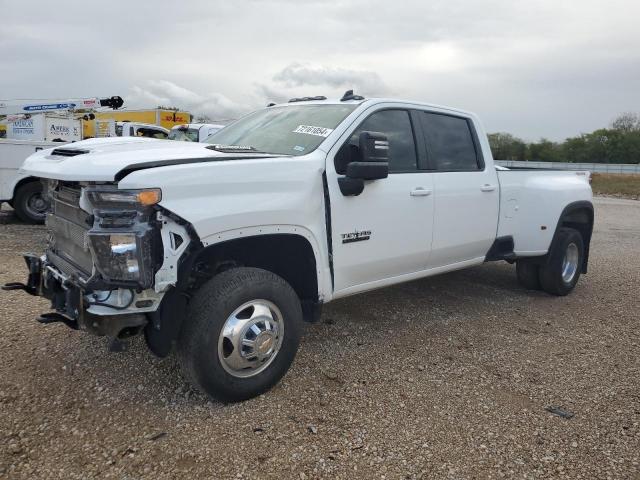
546,68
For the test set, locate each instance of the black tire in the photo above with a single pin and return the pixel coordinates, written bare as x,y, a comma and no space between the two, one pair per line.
528,274
208,311
26,202
551,272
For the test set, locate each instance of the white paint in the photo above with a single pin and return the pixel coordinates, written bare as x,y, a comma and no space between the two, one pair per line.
167,275
12,156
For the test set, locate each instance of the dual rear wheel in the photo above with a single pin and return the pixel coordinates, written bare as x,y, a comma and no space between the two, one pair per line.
559,274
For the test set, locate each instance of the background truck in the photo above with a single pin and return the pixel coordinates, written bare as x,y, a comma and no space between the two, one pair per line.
224,248
194,132
31,126
111,128
161,117
21,190
46,127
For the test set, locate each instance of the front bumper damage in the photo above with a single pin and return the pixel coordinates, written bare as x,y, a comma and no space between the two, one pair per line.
109,267
73,306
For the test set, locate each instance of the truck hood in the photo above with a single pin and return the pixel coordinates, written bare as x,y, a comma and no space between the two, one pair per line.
110,159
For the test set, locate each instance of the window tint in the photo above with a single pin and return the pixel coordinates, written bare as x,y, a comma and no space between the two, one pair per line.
449,142
395,124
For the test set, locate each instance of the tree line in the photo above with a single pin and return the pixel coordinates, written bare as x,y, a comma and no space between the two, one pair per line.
619,143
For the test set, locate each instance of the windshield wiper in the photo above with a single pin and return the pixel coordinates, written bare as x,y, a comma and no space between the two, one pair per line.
233,148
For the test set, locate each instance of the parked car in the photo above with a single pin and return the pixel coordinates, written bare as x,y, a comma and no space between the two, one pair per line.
225,249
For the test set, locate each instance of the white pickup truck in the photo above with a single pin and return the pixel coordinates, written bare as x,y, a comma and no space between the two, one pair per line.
19,189
224,249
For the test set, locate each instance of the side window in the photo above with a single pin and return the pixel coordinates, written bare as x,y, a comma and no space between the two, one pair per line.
396,125
449,142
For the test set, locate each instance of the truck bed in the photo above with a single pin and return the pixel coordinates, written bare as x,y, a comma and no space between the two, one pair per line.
531,202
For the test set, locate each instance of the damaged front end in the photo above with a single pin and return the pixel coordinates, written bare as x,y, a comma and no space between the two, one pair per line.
111,255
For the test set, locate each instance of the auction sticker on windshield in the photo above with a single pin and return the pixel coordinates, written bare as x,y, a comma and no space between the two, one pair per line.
311,130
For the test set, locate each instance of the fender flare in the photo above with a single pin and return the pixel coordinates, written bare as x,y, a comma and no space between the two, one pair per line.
566,212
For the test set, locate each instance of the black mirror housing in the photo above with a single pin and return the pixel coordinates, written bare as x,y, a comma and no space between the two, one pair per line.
372,163
368,170
374,147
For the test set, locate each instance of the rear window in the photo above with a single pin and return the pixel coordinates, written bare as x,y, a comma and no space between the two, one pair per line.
450,142
150,133
184,134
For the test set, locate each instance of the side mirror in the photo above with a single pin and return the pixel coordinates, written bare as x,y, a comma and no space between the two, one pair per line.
372,164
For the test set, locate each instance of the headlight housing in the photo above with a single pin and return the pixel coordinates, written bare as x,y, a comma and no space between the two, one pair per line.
124,256
111,198
124,241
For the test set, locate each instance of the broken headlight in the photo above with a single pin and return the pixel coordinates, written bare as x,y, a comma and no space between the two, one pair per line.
124,257
124,241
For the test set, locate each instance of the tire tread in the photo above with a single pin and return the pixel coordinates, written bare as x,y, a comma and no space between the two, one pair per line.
205,300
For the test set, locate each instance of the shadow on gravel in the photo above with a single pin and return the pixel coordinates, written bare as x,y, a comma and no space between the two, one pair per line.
8,217
449,292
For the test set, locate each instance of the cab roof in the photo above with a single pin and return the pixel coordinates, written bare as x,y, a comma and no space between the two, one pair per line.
370,102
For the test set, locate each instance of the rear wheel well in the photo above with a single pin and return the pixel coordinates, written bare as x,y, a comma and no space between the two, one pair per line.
289,256
580,218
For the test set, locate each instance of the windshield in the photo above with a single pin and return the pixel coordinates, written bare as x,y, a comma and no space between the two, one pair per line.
184,134
290,130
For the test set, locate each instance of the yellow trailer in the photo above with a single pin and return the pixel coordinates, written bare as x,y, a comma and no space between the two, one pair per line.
156,116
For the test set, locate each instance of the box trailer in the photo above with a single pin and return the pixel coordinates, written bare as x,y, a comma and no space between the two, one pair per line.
45,127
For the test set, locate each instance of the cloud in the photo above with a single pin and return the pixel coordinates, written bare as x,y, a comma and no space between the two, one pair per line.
165,93
543,68
271,94
302,74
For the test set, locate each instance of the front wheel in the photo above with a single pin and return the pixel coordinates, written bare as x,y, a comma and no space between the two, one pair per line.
29,203
560,274
241,335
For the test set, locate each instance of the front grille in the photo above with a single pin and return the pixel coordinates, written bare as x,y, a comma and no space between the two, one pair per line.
61,229
68,226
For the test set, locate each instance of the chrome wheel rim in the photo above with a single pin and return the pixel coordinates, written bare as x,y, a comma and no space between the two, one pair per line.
37,205
570,263
251,338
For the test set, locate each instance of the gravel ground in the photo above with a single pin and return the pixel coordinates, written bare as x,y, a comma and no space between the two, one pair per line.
447,377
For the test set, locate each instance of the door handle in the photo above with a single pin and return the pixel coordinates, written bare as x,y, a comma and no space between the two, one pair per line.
487,188
420,192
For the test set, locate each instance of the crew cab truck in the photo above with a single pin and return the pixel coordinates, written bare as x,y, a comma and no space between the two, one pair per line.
223,249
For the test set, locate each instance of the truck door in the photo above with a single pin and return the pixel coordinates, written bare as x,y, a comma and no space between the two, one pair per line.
385,231
466,190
